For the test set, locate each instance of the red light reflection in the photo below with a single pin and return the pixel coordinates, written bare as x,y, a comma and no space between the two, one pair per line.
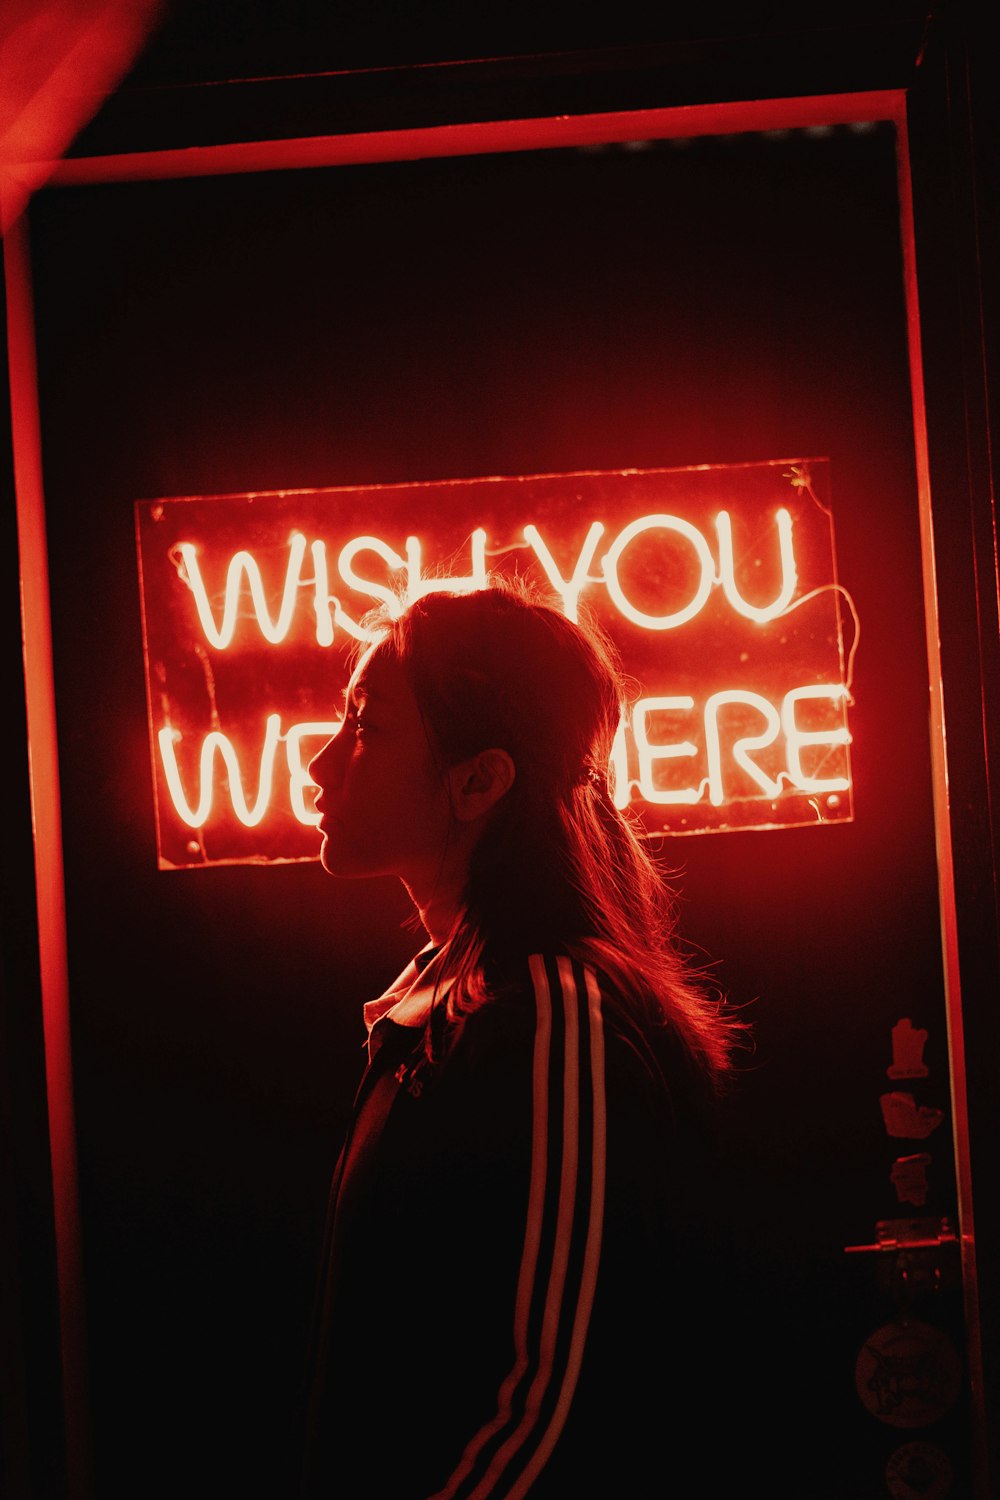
717,583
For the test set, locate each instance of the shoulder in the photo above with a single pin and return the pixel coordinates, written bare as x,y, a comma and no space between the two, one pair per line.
552,1009
536,991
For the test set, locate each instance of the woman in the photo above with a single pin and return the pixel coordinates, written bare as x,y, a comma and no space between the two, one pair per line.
503,1295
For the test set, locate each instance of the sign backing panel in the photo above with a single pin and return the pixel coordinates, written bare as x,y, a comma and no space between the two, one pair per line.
717,583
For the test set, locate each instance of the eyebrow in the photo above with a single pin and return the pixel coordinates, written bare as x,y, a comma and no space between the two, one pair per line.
360,694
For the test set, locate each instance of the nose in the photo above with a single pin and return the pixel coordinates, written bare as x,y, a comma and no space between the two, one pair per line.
326,766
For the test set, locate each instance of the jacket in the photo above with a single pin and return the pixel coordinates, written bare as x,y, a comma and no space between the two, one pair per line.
498,1313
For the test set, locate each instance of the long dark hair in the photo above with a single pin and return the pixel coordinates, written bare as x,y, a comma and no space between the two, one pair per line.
558,866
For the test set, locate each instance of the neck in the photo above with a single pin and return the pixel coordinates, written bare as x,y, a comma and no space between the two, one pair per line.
438,889
439,908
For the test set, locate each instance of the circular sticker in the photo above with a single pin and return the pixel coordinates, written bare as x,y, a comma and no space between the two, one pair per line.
908,1374
919,1471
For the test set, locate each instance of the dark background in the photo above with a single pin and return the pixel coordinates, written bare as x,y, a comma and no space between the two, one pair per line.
714,301
215,1039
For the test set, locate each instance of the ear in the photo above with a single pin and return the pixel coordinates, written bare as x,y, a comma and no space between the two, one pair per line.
477,784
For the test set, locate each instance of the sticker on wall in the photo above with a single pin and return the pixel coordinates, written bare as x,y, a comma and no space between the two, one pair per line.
909,1178
908,1120
908,1374
908,1044
717,583
919,1471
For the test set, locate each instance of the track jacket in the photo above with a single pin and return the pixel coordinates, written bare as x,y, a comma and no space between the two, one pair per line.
499,1305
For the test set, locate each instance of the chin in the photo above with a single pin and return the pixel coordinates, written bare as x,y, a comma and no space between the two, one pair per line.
328,858
336,860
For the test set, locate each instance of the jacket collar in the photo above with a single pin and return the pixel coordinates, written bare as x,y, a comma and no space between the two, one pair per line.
407,1001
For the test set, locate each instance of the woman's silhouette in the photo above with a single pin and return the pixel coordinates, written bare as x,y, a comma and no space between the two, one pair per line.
506,1306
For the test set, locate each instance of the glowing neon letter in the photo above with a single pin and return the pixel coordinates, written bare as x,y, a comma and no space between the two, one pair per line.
741,746
727,569
389,597
322,599
796,737
649,753
417,586
298,776
321,596
216,741
621,790
569,592
239,564
662,523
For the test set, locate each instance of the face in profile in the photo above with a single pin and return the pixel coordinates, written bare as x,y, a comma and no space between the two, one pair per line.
384,805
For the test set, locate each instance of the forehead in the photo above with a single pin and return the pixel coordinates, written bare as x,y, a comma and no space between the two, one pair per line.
379,678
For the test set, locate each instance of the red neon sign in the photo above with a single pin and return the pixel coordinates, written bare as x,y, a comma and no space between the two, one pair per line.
718,583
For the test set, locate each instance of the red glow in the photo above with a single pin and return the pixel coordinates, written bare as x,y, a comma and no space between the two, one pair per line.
480,137
46,817
947,904
718,585
58,61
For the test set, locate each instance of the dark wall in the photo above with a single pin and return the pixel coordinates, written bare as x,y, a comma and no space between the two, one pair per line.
721,300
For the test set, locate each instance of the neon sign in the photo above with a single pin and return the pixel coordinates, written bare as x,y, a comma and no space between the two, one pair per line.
718,584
